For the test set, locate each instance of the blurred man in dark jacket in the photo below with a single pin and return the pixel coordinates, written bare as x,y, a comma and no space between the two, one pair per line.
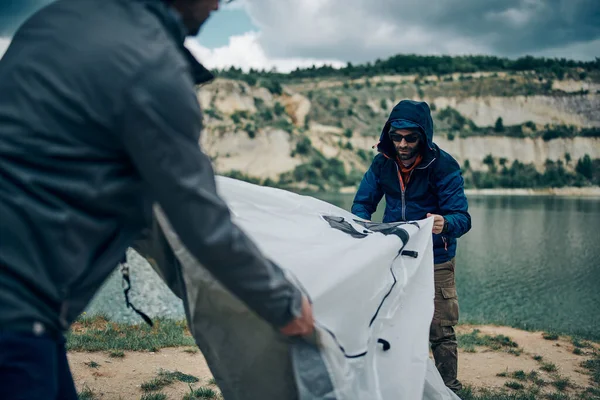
420,180
98,120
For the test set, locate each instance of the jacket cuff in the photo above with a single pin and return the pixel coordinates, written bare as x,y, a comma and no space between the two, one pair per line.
446,228
292,311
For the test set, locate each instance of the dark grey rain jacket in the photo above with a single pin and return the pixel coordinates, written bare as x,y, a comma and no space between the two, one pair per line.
99,119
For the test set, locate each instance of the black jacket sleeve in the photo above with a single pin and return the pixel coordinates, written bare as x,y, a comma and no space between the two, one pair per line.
160,128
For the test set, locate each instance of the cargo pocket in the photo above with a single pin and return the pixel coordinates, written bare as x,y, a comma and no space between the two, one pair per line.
446,306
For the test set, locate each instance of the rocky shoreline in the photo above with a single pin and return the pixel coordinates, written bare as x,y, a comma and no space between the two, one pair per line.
593,191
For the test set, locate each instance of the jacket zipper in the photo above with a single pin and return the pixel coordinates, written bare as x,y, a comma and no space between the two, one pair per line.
403,189
403,207
445,242
426,166
403,201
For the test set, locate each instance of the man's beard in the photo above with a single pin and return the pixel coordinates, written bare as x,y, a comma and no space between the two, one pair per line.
408,156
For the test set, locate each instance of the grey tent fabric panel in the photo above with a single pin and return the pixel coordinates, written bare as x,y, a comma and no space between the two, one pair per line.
312,376
234,347
246,355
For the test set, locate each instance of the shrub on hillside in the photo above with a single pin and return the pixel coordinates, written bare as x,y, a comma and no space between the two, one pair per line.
236,174
558,131
585,167
303,146
499,126
363,154
273,86
530,125
250,79
515,131
278,109
519,175
250,130
455,119
590,132
211,112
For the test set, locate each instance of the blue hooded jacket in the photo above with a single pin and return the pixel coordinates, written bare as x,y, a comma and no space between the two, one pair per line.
436,185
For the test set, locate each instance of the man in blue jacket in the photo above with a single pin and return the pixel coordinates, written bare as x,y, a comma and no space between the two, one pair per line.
421,180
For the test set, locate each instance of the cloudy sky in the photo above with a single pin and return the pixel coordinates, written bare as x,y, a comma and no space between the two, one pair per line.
287,34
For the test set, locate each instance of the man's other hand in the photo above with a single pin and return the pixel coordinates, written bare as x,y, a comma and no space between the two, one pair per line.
304,324
438,222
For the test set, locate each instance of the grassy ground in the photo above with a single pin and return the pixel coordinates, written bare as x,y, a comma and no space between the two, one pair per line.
532,385
166,378
468,341
98,334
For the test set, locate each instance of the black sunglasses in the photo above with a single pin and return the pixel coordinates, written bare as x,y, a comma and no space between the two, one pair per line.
412,138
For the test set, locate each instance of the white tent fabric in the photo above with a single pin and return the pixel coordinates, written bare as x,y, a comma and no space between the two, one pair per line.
373,305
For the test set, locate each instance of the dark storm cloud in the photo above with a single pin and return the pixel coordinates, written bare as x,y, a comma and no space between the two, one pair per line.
514,26
363,30
359,30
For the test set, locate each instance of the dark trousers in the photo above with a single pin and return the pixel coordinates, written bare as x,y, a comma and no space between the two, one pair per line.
441,334
34,367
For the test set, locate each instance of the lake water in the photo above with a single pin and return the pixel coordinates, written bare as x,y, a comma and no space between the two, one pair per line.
529,262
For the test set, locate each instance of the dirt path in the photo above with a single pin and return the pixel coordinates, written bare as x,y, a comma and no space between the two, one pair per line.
121,378
481,369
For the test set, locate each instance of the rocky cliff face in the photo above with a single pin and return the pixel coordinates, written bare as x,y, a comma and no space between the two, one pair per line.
267,155
578,110
527,151
257,132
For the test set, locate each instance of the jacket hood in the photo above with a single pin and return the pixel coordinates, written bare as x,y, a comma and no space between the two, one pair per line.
173,23
415,112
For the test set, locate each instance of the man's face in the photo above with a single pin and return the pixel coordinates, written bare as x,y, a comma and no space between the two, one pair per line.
406,143
195,12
